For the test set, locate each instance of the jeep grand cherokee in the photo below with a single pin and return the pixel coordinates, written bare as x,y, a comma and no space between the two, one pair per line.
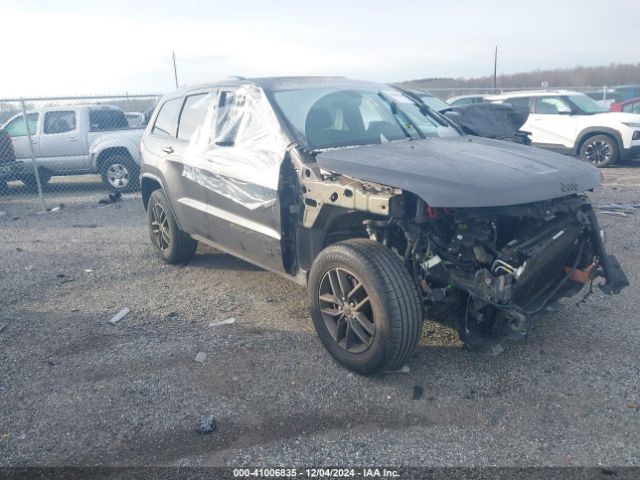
380,207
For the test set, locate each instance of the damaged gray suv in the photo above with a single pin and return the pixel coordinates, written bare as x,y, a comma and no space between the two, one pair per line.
380,206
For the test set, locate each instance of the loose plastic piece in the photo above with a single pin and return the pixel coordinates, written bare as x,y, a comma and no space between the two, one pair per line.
3,326
228,321
200,357
237,150
123,313
207,425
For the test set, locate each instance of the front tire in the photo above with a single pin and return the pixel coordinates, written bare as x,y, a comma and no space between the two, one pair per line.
600,150
173,245
365,306
120,174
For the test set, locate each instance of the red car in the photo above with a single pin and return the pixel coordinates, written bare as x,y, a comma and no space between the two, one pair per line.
630,106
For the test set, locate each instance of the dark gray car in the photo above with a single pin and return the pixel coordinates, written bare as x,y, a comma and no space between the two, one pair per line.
381,207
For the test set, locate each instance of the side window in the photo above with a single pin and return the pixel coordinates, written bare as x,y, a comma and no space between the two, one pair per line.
167,121
59,122
230,113
102,120
551,106
628,108
15,128
521,104
636,107
193,114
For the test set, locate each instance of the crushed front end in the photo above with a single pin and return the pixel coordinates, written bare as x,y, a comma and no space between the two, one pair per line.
493,269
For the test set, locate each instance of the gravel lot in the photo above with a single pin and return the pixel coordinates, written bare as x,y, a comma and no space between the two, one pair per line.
75,389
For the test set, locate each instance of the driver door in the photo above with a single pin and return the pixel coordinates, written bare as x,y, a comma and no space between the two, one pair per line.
244,214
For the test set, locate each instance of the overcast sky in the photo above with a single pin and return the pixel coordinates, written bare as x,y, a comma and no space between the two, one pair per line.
86,47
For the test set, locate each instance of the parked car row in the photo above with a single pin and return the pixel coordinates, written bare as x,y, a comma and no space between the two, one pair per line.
563,121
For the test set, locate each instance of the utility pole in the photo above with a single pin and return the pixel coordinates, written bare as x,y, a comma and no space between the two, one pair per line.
175,69
495,71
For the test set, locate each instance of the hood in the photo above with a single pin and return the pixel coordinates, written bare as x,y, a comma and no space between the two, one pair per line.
465,171
617,117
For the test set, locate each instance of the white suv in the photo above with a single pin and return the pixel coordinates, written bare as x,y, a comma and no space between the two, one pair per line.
573,123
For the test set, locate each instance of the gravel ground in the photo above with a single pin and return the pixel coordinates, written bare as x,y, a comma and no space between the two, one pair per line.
77,390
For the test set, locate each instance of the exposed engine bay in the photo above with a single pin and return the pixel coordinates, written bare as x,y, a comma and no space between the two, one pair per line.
487,270
498,267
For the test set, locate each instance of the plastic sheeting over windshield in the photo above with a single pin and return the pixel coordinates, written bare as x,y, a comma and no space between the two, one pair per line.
237,150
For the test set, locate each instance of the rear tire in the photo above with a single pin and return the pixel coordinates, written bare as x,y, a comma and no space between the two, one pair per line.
378,323
120,174
600,150
173,245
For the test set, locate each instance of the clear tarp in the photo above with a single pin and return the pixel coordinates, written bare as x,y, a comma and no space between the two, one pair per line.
238,149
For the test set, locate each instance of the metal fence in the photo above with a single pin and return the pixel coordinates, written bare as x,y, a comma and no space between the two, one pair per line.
64,148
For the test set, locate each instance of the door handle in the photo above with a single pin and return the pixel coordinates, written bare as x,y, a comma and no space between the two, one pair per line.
168,149
72,139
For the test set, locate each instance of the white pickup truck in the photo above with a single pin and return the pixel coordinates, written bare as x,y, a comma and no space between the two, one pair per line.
75,140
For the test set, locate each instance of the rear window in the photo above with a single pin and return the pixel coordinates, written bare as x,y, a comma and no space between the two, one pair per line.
102,120
166,124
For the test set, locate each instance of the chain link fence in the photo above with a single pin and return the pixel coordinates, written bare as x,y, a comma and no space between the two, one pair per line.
61,150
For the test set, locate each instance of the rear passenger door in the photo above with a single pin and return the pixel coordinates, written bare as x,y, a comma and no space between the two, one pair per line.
168,142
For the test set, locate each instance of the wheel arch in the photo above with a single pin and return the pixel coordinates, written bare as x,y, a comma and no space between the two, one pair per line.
111,152
149,183
592,131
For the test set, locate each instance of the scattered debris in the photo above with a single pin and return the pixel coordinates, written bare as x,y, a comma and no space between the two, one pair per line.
57,209
634,405
120,315
3,326
614,213
2,214
28,267
417,392
200,357
88,270
18,249
52,362
228,321
60,275
92,225
619,206
207,425
111,198
404,369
